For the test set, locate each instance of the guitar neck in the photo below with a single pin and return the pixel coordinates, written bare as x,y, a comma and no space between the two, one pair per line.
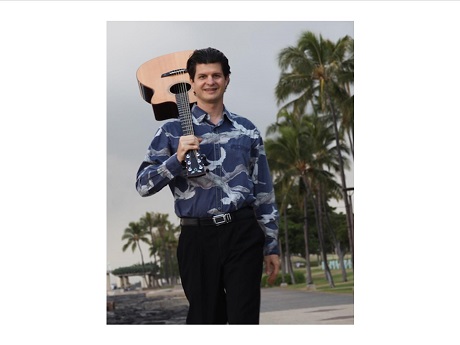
185,115
193,159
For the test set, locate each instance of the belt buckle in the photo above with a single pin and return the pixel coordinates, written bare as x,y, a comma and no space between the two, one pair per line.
222,219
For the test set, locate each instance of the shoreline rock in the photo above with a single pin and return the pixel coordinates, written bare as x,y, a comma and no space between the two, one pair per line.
149,307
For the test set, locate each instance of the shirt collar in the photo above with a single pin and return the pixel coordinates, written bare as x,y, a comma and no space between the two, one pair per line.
200,115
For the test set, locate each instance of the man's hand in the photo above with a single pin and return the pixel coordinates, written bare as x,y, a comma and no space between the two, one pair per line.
187,143
272,267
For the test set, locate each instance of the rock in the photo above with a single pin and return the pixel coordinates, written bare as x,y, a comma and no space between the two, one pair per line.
140,308
110,305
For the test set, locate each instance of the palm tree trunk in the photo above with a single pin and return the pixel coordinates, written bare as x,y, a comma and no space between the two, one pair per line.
283,264
316,208
305,235
170,262
338,250
322,243
286,261
344,183
152,281
351,142
283,259
155,281
288,253
143,265
166,264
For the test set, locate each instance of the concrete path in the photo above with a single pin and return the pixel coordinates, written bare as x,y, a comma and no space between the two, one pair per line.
282,306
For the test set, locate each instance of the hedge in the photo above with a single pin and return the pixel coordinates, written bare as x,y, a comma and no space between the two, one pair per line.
298,276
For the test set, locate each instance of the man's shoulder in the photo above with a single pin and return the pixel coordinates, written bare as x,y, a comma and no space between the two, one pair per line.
241,120
171,125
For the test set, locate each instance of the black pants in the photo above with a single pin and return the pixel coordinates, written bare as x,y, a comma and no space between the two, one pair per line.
220,269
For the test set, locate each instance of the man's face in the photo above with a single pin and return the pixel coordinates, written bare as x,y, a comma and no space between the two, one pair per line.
209,83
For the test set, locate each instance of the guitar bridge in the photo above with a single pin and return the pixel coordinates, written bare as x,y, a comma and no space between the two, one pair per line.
174,72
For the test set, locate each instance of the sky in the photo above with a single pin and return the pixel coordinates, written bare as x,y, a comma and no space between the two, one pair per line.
65,74
252,49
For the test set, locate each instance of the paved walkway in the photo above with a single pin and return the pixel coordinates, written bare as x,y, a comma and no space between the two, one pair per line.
283,306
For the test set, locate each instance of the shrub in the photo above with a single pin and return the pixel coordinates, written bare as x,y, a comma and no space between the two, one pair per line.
136,269
298,276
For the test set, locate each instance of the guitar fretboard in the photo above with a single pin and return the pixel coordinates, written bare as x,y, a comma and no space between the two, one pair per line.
185,115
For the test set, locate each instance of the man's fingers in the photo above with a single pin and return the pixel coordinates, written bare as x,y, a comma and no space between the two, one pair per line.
271,279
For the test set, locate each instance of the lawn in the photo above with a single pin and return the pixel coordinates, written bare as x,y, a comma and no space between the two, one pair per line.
321,284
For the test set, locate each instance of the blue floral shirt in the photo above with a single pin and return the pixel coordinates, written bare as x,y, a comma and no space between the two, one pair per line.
238,174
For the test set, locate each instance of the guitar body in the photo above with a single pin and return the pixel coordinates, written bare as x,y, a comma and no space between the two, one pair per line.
158,90
165,83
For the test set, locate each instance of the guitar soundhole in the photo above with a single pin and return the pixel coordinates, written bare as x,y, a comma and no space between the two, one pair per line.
180,88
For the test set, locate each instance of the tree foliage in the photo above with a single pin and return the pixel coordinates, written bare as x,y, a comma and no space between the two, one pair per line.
306,146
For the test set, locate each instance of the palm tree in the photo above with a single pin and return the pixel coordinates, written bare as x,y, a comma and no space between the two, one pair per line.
163,241
337,243
317,75
133,235
285,190
306,241
345,96
318,176
302,147
285,175
172,242
149,224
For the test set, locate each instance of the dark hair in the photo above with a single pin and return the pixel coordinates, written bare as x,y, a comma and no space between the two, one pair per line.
207,55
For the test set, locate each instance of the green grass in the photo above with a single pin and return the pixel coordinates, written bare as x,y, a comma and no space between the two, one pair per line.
321,283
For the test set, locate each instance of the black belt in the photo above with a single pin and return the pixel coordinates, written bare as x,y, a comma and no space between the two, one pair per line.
244,213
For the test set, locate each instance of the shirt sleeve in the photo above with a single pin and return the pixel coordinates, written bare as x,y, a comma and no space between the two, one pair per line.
265,204
159,167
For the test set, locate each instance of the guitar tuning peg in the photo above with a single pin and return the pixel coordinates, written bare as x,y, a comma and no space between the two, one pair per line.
203,158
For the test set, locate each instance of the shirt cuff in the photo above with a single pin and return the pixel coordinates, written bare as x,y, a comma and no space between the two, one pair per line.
173,165
271,246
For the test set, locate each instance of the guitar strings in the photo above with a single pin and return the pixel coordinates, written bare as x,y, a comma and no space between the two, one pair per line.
186,107
186,117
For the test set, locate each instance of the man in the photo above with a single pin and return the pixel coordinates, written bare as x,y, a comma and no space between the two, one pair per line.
228,216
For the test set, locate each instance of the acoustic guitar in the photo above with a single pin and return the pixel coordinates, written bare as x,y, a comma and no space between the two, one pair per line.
165,83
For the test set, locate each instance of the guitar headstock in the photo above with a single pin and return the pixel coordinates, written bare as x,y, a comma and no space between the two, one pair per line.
194,164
